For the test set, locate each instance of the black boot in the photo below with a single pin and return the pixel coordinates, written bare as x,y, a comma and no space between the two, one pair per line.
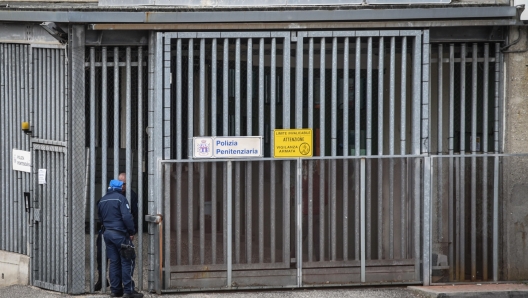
98,285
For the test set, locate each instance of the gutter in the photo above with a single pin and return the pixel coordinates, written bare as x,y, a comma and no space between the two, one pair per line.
259,16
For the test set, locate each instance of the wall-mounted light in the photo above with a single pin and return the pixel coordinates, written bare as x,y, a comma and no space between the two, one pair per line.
25,128
55,31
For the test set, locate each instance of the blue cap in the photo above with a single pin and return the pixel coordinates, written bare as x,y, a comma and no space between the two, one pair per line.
115,185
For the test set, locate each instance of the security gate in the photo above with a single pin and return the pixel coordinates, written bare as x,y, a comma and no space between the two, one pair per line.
353,88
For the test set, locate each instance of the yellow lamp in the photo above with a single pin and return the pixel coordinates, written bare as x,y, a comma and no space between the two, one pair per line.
25,127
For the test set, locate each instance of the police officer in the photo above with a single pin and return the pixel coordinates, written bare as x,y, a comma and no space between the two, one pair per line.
114,214
134,209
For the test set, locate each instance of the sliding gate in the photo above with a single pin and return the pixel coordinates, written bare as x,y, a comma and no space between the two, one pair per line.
349,215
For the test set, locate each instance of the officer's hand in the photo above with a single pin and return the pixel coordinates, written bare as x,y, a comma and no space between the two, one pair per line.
131,238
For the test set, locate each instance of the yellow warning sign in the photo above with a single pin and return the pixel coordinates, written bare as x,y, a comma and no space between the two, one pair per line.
293,143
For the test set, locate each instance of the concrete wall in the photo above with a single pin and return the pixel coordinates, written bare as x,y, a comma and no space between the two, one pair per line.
515,170
14,269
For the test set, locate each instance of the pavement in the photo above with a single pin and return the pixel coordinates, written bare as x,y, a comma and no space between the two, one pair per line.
380,292
447,291
474,290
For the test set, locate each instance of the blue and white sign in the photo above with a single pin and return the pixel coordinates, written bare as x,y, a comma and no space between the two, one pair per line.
227,147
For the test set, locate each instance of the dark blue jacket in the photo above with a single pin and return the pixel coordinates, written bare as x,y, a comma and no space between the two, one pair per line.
114,213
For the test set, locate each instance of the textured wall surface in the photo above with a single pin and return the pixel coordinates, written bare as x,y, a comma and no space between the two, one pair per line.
14,269
515,170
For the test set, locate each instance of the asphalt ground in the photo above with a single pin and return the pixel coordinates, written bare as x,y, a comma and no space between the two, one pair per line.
18,291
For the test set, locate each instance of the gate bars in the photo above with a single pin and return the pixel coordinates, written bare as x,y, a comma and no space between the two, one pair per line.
199,108
117,126
467,115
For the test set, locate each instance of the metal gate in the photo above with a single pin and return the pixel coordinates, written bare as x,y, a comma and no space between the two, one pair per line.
466,124
353,88
50,205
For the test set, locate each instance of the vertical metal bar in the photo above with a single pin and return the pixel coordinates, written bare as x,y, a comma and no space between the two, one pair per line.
474,165
428,169
190,134
249,132
310,165
116,137
496,167
286,165
392,104
272,127
403,151
363,217
440,184
179,149
3,130
238,228
261,163
298,219
369,152
462,160
214,132
322,125
485,95
225,132
380,145
417,74
346,69
140,165
299,80
229,215
202,133
451,145
357,145
333,131
92,167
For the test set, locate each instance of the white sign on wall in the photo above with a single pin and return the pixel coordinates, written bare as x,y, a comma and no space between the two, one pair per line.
227,147
21,160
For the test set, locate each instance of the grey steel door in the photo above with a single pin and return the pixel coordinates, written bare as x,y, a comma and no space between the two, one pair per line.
50,220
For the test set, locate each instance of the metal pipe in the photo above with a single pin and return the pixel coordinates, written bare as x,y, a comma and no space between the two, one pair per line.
202,124
298,212
427,173
261,133
462,160
92,168
333,132
249,132
357,145
417,66
286,124
179,149
225,132
485,165
229,216
403,145
363,219
474,165
451,214
116,136
140,165
392,102
238,228
190,134
273,111
311,125
380,145
440,184
322,104
214,132
346,69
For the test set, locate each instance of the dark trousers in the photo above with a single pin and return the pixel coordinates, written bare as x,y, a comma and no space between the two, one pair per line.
121,269
99,256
